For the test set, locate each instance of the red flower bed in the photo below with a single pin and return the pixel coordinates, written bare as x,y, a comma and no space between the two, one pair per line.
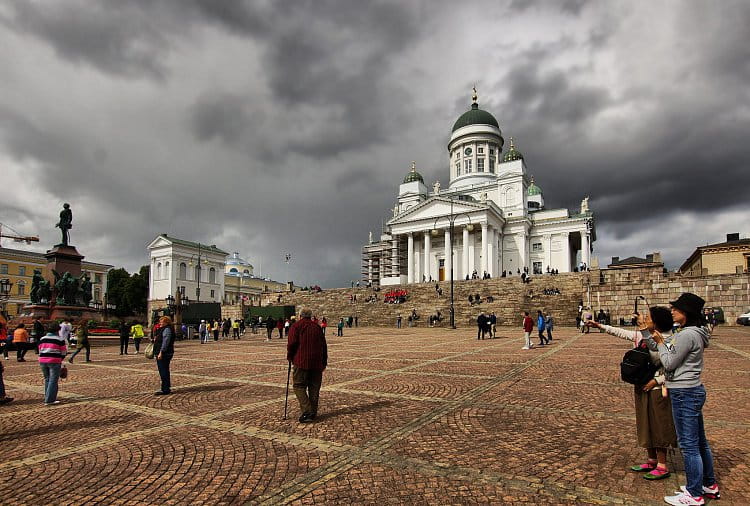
104,332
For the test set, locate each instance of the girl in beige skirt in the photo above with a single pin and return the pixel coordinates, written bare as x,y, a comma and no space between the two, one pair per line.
653,409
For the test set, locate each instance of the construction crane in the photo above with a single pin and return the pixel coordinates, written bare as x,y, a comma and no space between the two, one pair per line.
28,239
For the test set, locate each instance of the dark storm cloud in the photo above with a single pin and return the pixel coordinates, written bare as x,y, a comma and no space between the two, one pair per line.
111,36
221,116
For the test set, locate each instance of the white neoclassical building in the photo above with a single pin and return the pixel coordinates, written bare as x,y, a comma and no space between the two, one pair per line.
490,219
197,270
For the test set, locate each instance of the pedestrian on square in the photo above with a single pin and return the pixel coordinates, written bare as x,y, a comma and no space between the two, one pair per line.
550,326
82,341
136,331
124,337
37,332
323,325
216,328
682,358
225,328
398,321
52,351
164,351
4,399
307,350
340,328
202,330
528,326
493,325
5,339
20,340
235,329
481,325
242,327
653,410
587,316
65,330
270,325
541,325
280,327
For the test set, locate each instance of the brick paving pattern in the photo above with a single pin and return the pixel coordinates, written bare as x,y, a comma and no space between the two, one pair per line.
408,416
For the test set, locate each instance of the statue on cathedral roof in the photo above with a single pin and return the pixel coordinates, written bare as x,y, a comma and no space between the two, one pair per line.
436,187
585,205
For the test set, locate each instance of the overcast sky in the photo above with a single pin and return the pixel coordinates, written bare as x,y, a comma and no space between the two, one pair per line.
274,127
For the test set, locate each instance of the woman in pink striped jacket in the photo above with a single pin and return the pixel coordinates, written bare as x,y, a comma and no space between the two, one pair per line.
52,351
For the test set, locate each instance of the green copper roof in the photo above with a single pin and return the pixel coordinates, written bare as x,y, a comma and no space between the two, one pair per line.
475,116
533,189
512,153
413,175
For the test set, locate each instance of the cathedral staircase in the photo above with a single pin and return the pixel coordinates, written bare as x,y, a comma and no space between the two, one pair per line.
510,295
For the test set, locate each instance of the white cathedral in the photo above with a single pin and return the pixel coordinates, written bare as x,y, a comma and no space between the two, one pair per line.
489,220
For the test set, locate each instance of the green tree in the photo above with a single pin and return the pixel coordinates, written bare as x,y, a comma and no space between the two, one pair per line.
136,290
117,280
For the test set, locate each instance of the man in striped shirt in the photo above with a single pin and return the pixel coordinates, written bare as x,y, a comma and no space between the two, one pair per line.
52,351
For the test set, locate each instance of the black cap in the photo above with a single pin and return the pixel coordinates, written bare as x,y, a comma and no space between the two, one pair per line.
689,303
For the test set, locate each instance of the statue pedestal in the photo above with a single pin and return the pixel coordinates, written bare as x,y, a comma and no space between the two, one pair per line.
64,259
60,312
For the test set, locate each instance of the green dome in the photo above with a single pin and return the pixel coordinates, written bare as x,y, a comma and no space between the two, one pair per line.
475,116
533,190
413,175
512,154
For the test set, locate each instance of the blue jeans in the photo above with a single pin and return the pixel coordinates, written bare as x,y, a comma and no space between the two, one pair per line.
51,374
687,405
163,366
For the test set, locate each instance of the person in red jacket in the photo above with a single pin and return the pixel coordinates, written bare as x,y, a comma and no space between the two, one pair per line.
528,326
307,350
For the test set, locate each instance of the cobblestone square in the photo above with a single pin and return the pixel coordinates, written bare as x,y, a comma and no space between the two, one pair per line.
407,416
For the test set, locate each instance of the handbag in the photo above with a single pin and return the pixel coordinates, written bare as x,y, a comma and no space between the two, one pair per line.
636,367
63,372
149,351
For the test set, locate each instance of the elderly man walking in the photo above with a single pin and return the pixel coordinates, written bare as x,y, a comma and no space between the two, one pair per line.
307,350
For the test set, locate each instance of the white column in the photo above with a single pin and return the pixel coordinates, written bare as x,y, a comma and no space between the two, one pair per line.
484,250
447,252
565,240
465,262
394,257
522,259
427,263
410,258
417,262
547,253
586,249
369,269
491,252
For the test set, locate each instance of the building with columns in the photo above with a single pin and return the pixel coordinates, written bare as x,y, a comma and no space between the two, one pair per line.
490,219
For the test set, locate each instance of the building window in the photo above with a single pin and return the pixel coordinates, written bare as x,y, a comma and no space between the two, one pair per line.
537,266
22,270
158,271
4,269
458,154
212,294
97,294
480,151
536,247
97,278
492,164
233,270
467,166
21,288
183,270
480,164
212,277
197,273
458,168
167,272
246,271
492,152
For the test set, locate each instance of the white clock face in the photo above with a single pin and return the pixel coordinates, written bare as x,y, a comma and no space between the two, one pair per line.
467,151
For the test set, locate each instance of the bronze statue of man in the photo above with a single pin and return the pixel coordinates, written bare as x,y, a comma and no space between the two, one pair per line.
65,223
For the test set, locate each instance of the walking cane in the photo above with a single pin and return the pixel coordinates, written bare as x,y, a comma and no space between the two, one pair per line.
286,397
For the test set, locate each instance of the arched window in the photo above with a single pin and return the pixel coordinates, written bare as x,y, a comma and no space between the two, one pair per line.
212,275
183,270
167,272
158,271
246,271
197,273
233,270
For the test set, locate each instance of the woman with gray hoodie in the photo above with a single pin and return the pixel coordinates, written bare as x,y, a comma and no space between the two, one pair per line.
682,358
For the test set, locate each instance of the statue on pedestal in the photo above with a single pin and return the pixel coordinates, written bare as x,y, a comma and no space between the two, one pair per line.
40,289
65,223
84,290
67,288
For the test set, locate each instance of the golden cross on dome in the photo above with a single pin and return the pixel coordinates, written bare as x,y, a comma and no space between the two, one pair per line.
474,95
414,166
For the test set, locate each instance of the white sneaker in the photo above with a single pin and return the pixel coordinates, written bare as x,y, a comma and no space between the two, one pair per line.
525,348
684,499
711,492
51,403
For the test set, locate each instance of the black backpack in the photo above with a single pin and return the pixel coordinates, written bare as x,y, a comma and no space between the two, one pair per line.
636,366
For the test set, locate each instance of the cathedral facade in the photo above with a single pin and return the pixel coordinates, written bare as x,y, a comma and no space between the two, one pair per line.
490,220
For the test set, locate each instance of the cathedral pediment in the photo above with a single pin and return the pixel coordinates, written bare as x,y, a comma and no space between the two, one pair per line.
437,207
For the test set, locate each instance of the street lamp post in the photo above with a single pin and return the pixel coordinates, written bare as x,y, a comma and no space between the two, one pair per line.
451,222
287,260
5,286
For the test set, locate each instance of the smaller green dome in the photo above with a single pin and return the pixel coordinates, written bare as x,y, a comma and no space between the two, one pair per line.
512,153
413,175
533,189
